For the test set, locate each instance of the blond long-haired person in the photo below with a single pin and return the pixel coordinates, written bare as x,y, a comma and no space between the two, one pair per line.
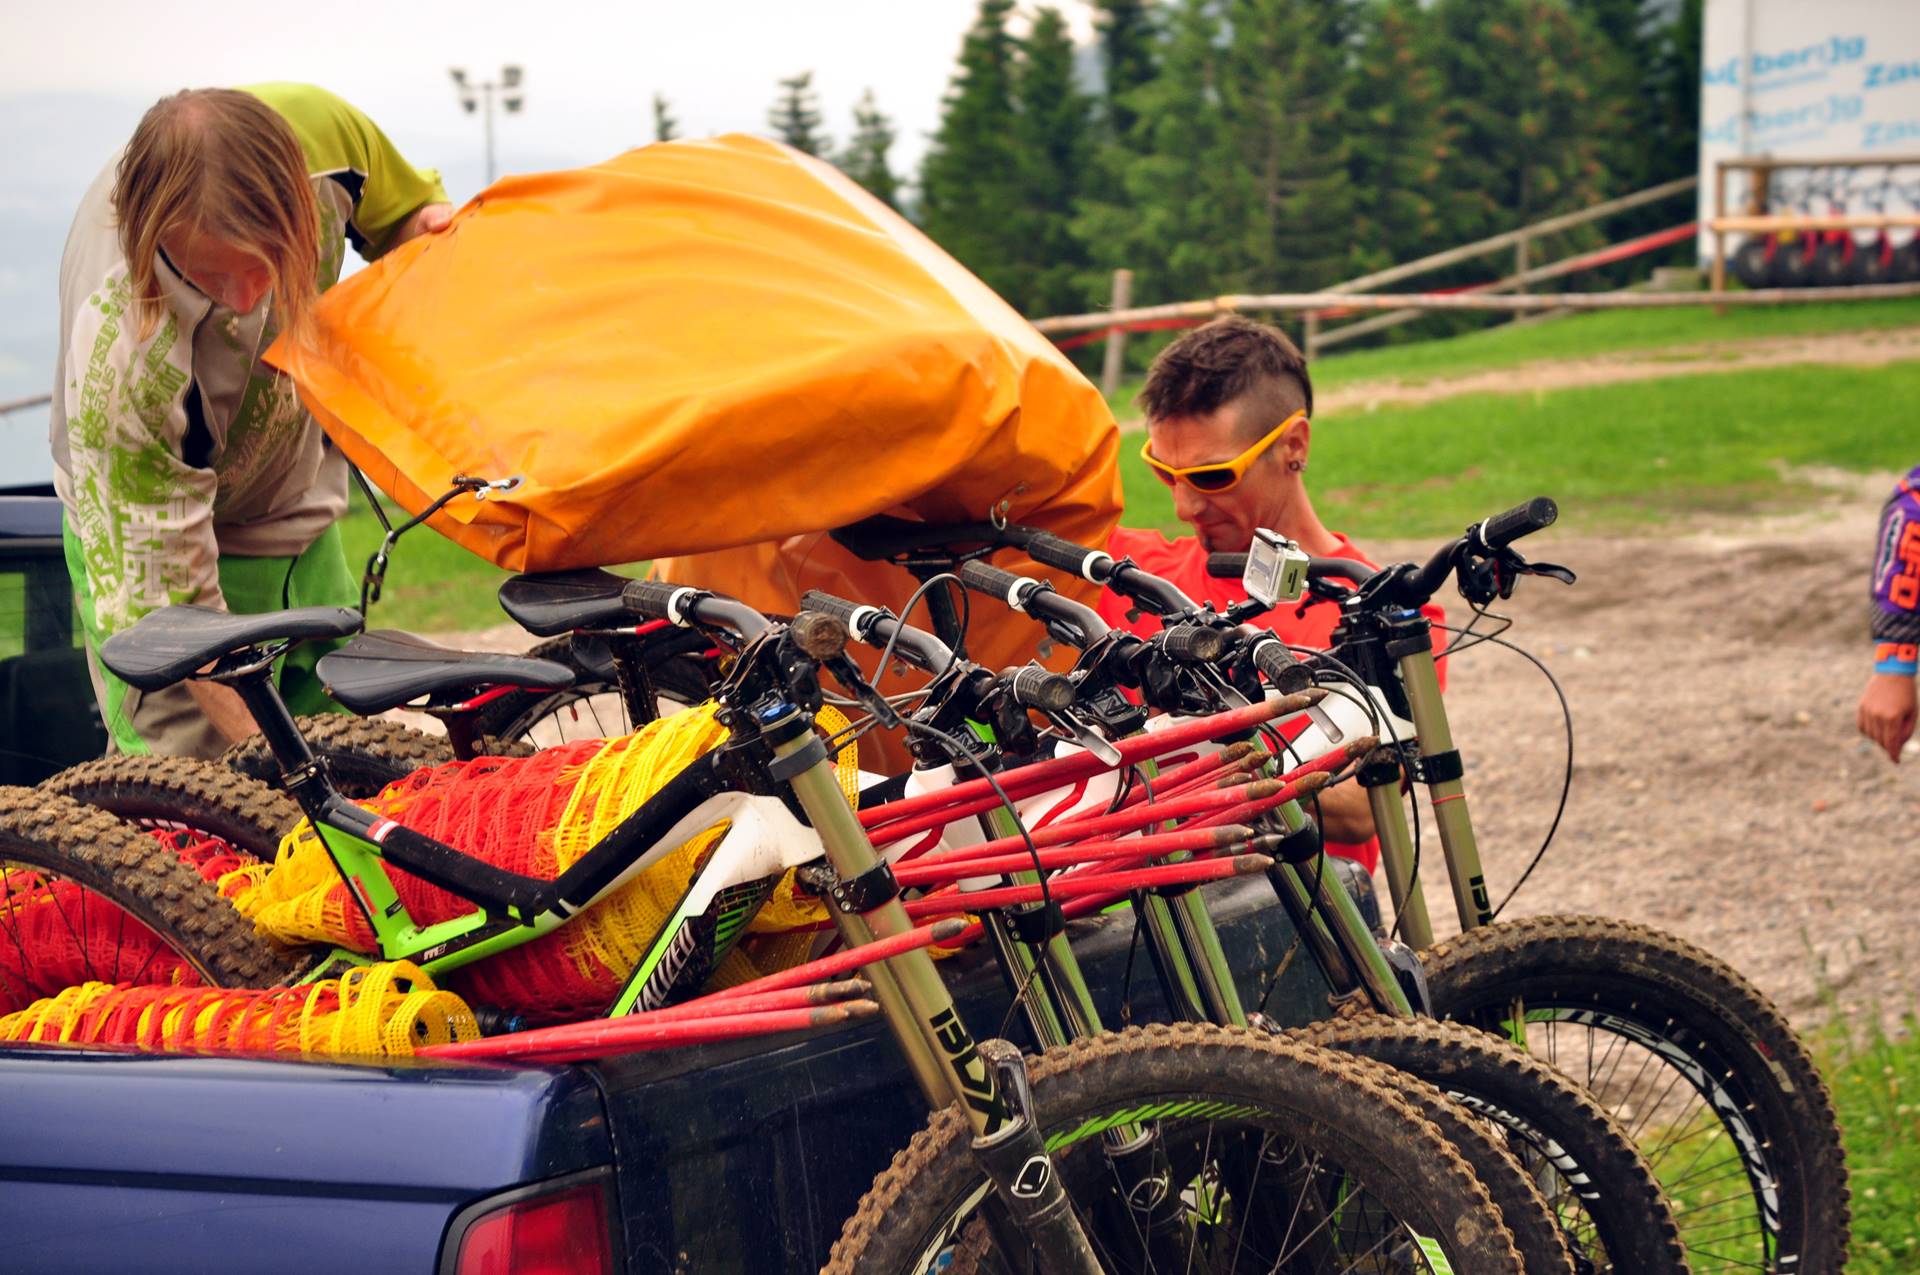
189,470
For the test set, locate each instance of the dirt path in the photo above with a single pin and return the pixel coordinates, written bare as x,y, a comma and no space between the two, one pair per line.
1720,790
1852,349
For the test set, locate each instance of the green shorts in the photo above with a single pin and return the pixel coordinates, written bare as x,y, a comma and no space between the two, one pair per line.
169,721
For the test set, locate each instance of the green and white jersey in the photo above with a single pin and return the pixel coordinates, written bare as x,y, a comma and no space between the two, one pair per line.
172,451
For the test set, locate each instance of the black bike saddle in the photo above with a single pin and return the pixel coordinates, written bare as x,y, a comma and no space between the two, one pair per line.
385,669
883,537
549,603
169,644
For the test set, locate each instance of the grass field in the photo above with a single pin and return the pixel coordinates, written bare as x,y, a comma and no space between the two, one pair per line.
1637,453
432,584
1586,335
1876,1085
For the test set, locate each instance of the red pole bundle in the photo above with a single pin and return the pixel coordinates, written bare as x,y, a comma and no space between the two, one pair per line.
1023,781
1191,872
928,872
844,961
1207,801
579,1042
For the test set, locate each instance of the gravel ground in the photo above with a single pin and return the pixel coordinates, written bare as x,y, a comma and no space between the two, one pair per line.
1720,790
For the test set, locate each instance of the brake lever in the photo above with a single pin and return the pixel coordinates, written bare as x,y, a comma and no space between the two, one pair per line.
1083,735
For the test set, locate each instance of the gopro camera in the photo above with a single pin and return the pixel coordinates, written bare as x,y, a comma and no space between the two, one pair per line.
1276,568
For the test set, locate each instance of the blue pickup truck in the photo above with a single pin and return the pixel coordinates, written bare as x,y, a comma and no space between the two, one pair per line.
734,1158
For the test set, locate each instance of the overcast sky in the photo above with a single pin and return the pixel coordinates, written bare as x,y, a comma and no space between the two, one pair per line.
75,76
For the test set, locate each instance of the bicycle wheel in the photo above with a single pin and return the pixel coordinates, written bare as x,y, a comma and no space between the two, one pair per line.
1523,1209
204,798
593,708
1605,1200
1277,1156
85,897
362,754
1701,1071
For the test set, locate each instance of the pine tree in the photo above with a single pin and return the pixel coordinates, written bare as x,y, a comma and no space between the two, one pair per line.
865,158
1398,157
1176,192
969,194
665,127
1283,94
795,117
1531,132
1053,147
1126,58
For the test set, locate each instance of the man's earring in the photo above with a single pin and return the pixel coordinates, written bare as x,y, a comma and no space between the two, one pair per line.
1297,466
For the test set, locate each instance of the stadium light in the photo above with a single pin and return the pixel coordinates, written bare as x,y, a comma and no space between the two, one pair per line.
512,97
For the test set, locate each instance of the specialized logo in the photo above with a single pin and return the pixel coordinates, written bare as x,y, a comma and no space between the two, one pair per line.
976,1082
659,984
1034,1177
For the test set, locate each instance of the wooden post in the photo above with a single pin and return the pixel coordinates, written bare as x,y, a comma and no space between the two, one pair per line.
1116,361
1719,235
1312,346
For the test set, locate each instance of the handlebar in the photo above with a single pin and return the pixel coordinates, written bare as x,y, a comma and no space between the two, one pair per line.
1154,593
876,626
684,605
1502,530
1032,597
1037,687
1412,587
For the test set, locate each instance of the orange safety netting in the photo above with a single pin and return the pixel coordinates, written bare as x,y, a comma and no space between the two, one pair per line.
535,816
376,1011
707,353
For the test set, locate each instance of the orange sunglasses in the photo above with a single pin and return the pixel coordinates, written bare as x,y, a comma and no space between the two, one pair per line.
1222,475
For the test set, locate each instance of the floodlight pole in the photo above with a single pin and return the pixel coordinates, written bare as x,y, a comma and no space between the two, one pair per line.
472,96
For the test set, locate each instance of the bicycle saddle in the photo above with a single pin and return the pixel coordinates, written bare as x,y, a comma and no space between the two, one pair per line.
167,645
549,603
882,537
384,669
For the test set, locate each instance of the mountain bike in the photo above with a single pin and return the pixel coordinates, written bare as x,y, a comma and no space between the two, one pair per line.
1232,1154
1706,1073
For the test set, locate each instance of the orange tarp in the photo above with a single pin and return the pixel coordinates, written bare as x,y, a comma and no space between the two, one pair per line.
703,352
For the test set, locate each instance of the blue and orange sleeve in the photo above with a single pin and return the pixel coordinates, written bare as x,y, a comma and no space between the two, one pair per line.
1896,581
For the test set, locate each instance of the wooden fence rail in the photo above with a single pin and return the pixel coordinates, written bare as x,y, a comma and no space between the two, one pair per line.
1295,301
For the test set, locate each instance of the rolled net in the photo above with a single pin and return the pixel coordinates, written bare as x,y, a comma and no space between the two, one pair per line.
384,1010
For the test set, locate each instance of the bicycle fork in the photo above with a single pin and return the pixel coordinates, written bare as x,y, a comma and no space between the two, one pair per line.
1037,1216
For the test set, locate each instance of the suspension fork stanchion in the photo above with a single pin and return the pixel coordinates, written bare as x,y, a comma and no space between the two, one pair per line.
1071,1000
803,763
1442,771
1200,943
926,1069
1380,776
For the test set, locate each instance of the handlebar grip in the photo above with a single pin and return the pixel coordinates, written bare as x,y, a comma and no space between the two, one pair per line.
1279,666
1063,555
1194,643
1226,566
990,580
653,599
1502,530
1036,687
829,604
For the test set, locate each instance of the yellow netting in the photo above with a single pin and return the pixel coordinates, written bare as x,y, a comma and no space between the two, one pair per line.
385,1010
538,816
